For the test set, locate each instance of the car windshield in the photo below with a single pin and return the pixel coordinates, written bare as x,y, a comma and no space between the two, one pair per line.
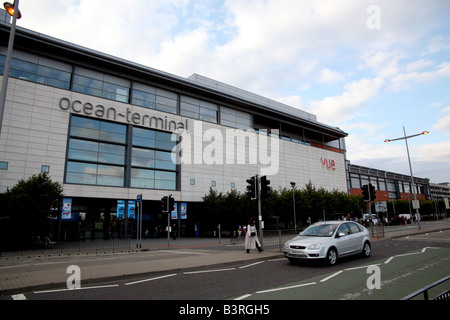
322,230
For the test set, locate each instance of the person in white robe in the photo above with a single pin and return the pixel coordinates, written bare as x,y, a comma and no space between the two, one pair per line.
251,237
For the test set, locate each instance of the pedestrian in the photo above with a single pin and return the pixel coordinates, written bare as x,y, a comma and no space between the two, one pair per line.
251,238
174,232
240,231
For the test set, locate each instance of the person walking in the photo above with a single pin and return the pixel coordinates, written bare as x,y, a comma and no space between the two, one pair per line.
251,238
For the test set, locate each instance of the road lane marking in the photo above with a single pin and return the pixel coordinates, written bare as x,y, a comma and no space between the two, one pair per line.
67,290
148,280
19,266
209,271
362,267
185,252
332,276
251,265
287,288
389,260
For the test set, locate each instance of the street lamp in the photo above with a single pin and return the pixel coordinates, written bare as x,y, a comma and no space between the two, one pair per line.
10,8
293,200
13,10
410,167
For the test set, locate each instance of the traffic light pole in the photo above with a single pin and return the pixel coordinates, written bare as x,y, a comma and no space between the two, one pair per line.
258,195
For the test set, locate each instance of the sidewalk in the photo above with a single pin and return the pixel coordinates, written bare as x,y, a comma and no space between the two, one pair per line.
19,274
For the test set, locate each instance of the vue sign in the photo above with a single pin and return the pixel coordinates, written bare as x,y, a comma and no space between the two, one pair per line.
328,163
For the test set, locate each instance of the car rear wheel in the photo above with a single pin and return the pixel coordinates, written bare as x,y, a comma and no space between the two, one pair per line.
332,256
367,250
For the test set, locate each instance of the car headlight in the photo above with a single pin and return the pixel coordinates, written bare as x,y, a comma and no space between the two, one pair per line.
315,246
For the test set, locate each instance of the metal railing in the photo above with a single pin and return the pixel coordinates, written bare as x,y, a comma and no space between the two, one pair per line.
445,295
82,246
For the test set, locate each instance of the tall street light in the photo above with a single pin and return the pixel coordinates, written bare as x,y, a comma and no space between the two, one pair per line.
410,167
293,200
13,10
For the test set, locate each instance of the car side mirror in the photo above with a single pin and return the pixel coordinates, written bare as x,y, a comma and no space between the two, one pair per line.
340,235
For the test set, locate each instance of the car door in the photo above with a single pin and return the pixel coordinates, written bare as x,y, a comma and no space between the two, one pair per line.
343,239
356,237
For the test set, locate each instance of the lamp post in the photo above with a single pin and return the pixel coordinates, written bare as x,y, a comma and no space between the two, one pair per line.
13,10
410,167
293,200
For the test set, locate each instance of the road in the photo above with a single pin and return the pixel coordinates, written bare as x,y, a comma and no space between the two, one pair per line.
404,266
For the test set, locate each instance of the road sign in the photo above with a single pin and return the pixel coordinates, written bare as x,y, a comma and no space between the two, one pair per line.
139,198
380,206
416,204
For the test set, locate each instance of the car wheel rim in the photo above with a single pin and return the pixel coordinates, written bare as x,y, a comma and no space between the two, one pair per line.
367,250
332,257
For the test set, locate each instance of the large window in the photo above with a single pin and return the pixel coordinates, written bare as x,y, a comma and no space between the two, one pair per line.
97,155
154,98
153,160
199,109
39,70
236,119
101,85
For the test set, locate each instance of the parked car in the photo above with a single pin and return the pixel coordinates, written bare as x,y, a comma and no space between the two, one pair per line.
329,241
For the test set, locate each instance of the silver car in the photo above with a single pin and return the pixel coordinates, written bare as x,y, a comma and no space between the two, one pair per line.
329,241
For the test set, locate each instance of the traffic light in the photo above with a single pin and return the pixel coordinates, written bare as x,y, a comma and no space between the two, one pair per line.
171,204
372,192
251,188
365,192
164,204
265,189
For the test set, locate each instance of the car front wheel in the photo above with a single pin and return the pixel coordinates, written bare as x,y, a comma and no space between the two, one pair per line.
332,257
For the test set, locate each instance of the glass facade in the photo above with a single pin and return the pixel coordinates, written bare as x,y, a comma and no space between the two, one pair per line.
97,155
199,109
152,152
101,85
154,98
55,76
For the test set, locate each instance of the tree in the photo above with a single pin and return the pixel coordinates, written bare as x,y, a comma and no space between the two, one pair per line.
234,208
30,204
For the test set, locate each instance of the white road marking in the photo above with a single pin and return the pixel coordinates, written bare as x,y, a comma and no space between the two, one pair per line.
332,276
148,280
251,265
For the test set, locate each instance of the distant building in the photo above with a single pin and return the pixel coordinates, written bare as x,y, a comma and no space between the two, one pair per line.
388,185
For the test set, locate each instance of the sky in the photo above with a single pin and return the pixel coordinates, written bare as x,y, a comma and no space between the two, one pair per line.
370,68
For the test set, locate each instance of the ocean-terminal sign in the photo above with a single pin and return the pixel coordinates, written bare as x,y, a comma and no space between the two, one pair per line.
129,116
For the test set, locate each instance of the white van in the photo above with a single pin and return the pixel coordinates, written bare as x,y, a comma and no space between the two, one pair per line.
366,218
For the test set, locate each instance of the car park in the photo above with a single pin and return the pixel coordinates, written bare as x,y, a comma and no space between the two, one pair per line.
329,241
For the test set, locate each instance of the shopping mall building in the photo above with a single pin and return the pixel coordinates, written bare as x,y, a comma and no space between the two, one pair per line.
109,130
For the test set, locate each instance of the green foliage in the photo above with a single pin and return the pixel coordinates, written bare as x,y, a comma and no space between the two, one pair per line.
30,204
233,208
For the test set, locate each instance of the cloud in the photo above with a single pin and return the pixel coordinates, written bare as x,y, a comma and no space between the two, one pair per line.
443,123
341,108
438,44
418,65
329,76
403,81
